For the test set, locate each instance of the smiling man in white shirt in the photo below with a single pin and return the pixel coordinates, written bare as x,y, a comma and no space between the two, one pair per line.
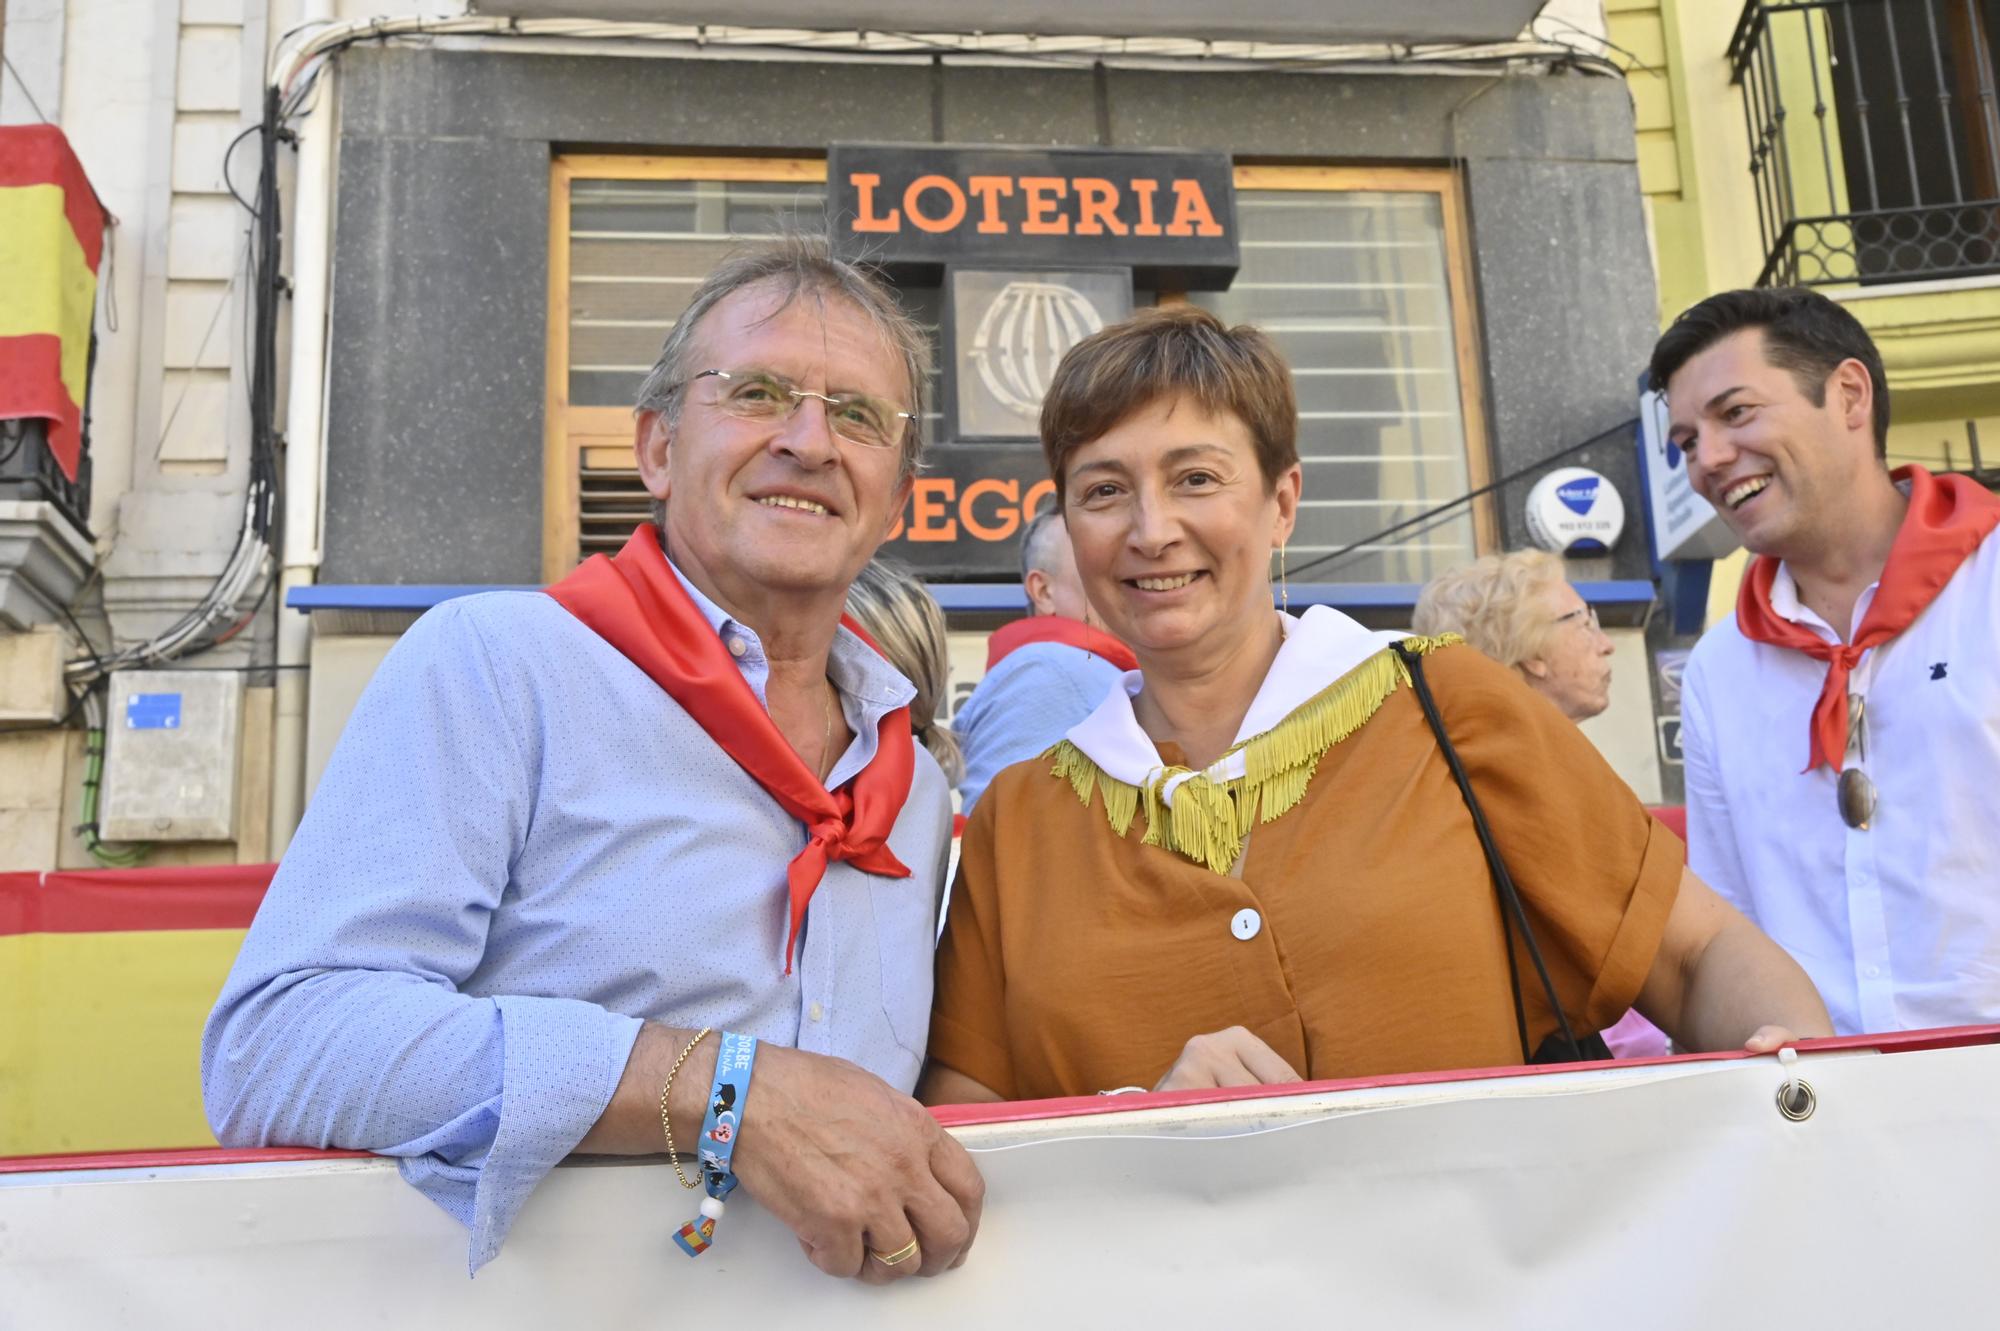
1842,730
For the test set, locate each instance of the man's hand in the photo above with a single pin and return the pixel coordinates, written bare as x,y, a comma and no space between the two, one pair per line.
1232,1057
849,1164
1769,1039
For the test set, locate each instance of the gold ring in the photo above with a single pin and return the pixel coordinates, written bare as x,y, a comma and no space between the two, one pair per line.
898,1257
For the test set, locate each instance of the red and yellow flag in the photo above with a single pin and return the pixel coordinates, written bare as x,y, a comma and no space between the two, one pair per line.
51,239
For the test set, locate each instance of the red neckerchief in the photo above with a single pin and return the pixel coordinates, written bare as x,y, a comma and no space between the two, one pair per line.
1949,516
634,602
1062,629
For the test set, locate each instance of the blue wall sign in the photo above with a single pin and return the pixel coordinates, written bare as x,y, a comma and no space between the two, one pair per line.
153,711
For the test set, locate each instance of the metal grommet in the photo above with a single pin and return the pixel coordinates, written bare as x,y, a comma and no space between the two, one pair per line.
1796,1100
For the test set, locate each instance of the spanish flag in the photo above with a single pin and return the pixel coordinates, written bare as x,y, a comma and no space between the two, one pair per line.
106,976
51,239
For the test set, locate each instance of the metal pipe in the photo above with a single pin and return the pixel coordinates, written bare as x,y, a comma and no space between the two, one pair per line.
1819,106
1861,107
1903,106
1944,103
305,439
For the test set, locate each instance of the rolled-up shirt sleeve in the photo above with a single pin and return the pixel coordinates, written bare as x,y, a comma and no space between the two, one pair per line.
352,1016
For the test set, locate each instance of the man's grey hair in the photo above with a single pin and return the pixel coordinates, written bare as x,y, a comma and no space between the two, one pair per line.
1036,540
795,266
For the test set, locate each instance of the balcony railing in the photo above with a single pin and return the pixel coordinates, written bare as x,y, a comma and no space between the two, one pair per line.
1874,135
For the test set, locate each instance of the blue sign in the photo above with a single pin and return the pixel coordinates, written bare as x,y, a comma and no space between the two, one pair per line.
153,711
1579,494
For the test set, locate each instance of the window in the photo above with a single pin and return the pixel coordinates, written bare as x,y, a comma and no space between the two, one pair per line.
1355,275
1358,275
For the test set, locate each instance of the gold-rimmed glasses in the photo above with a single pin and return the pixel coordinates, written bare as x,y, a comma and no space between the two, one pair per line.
768,398
1857,793
1586,613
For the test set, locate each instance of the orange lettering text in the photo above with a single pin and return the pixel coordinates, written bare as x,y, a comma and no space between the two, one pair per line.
929,520
989,190
953,216
1037,190
1032,500
865,219
1191,214
1097,207
1145,190
1008,520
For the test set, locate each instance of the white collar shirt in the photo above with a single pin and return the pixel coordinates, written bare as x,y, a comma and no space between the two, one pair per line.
1899,924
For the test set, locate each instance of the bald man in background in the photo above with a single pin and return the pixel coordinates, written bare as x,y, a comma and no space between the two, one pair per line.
1044,673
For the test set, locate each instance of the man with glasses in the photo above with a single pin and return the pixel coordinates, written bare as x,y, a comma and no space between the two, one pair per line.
1842,731
566,833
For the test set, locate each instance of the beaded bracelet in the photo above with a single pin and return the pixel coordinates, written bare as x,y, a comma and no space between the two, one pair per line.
666,1123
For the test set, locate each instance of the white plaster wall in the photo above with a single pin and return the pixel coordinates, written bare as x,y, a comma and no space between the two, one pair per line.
1625,733
342,665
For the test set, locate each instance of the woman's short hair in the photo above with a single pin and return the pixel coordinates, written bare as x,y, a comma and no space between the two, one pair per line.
1164,352
904,620
1492,602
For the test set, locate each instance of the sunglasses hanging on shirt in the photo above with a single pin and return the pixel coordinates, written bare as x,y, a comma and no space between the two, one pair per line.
1856,791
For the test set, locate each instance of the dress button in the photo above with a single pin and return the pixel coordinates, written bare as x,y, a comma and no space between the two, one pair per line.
816,1012
737,647
1246,924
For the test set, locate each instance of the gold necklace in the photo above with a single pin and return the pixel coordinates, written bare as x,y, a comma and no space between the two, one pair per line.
826,734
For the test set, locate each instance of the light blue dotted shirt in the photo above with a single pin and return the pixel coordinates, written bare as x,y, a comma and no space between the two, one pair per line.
521,848
1023,705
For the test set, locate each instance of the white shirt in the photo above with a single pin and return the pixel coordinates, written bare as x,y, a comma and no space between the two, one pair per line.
1899,925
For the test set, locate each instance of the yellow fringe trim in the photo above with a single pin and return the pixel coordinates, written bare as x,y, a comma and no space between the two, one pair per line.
1209,820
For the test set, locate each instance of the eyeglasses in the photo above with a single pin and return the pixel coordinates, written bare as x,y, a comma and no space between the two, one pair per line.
1856,791
1586,613
771,399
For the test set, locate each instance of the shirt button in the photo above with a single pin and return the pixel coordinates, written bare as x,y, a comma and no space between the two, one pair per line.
1873,972
816,1012
1246,924
737,647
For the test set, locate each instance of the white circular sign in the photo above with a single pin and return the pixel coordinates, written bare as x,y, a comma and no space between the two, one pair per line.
1575,511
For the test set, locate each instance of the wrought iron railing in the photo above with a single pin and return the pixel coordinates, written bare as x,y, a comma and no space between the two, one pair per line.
1874,136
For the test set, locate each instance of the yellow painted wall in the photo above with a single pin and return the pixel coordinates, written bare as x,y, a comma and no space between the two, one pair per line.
100,1038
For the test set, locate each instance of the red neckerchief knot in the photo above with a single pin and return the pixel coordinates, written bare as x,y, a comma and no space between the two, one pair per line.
1058,628
634,601
1948,517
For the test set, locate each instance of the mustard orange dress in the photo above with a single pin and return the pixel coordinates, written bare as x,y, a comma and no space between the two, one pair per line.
1331,897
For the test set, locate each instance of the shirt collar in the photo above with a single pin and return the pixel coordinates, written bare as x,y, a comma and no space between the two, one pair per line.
856,669
1785,603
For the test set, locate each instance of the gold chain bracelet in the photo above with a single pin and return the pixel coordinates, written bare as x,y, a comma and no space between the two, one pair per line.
666,1122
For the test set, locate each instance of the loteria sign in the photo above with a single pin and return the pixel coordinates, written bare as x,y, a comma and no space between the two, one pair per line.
1168,216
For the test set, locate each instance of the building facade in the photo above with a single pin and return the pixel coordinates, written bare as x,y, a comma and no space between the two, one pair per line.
489,222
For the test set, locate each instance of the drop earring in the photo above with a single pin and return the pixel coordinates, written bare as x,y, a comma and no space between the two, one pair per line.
1284,587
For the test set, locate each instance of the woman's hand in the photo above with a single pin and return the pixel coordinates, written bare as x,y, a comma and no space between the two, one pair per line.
1232,1057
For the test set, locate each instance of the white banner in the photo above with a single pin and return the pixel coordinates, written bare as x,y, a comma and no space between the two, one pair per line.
1670,1196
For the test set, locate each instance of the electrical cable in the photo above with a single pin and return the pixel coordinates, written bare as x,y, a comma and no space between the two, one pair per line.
1430,514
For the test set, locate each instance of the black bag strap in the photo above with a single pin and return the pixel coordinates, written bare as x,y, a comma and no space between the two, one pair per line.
1503,883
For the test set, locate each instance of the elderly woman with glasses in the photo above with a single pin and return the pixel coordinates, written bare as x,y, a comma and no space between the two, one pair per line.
1520,610
1253,862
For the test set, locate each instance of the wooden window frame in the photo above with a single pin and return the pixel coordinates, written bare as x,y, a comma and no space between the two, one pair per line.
571,432
1445,183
